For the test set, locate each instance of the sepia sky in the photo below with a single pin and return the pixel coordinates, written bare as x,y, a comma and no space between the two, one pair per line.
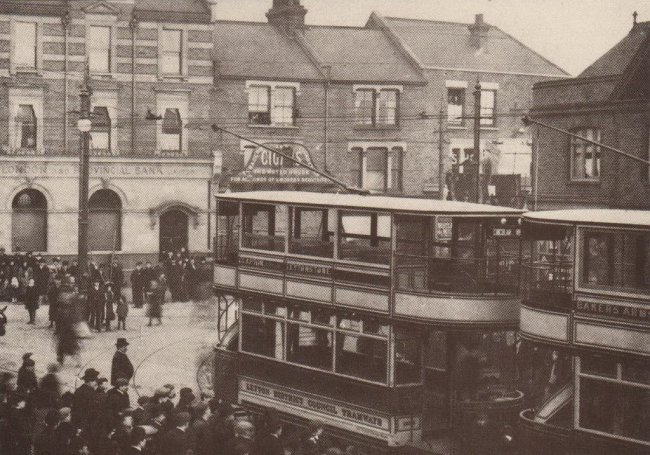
570,33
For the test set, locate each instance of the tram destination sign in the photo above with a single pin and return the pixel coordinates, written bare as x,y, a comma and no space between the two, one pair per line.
619,311
291,267
284,396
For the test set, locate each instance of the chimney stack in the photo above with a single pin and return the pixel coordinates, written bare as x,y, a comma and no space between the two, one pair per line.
479,32
212,4
288,15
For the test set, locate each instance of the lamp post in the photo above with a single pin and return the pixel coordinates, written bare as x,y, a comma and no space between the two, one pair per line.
84,125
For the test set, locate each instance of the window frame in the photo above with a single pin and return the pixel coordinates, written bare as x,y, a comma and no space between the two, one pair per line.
179,54
456,121
102,129
92,45
576,144
18,47
393,168
488,121
271,115
25,96
376,108
172,100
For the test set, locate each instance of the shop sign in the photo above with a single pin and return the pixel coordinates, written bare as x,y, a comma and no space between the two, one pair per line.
319,405
265,166
630,312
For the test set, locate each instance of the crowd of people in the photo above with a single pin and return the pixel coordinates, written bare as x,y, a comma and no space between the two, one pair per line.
101,418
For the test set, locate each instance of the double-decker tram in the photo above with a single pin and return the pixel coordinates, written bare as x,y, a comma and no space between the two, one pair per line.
392,320
586,323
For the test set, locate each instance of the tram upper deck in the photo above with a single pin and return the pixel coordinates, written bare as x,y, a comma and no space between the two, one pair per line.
586,279
439,261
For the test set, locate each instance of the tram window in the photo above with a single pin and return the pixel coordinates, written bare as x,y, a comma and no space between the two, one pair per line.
350,323
598,365
322,317
312,232
361,357
365,237
615,409
299,314
436,351
250,304
375,327
309,346
618,259
275,309
636,371
408,356
262,336
264,226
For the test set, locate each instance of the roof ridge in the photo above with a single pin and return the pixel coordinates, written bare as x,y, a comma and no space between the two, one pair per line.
433,21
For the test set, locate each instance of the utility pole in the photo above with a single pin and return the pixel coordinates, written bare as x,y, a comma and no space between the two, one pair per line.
84,125
441,155
477,140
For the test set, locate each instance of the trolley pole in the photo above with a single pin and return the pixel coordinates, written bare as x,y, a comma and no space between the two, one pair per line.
441,156
477,140
84,125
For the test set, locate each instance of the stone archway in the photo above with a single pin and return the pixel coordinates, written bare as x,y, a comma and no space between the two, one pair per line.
174,230
29,221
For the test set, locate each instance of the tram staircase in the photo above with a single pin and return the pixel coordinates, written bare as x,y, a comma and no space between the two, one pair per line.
226,358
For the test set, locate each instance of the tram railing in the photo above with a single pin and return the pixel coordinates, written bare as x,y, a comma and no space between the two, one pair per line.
548,284
490,275
226,249
263,241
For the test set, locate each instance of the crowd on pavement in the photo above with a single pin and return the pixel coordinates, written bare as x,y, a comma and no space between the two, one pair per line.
101,418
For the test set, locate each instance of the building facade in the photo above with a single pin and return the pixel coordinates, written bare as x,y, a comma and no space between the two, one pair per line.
150,67
608,102
453,58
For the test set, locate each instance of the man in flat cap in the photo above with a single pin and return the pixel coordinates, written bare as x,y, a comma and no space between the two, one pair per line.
121,366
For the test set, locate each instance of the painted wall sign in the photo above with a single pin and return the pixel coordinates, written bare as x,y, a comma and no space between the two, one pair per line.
320,405
620,311
265,166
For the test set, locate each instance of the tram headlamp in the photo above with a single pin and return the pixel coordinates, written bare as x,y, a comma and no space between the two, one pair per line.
503,221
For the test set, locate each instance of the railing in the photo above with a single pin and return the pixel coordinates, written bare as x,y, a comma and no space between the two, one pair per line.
226,249
361,250
493,275
548,284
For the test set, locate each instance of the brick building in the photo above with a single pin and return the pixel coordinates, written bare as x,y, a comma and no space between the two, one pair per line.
149,180
607,102
453,57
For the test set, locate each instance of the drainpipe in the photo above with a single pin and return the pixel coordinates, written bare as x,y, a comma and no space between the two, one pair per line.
133,25
327,69
65,21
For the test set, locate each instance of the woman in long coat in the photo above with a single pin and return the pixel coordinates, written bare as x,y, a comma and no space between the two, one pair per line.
156,299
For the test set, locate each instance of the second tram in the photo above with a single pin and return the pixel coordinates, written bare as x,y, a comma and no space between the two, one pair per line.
390,319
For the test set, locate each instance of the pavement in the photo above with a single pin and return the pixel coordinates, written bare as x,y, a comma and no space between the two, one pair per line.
178,352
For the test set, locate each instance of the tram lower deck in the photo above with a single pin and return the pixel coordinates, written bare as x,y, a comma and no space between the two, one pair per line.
390,319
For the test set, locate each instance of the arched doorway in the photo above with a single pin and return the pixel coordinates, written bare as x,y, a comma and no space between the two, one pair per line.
104,221
173,230
29,221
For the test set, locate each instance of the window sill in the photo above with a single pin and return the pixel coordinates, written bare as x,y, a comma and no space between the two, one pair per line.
456,127
284,127
102,75
25,151
376,128
28,71
173,77
489,128
170,153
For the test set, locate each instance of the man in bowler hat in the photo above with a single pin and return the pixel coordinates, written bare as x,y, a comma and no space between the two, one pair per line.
85,398
121,366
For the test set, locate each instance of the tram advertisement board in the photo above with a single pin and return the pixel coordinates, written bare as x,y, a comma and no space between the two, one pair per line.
630,312
320,405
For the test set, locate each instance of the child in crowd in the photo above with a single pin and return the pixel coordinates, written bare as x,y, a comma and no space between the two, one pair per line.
122,312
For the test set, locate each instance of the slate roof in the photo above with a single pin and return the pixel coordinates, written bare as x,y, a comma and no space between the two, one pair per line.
615,61
259,50
447,45
359,54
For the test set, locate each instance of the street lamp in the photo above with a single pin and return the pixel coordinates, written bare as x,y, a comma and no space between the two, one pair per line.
84,124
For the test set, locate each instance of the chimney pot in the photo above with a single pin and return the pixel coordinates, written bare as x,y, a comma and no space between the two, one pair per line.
478,32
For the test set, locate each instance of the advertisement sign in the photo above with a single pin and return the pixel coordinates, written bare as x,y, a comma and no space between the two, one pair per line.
265,166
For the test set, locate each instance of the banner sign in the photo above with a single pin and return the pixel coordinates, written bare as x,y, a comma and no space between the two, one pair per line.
265,166
320,405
